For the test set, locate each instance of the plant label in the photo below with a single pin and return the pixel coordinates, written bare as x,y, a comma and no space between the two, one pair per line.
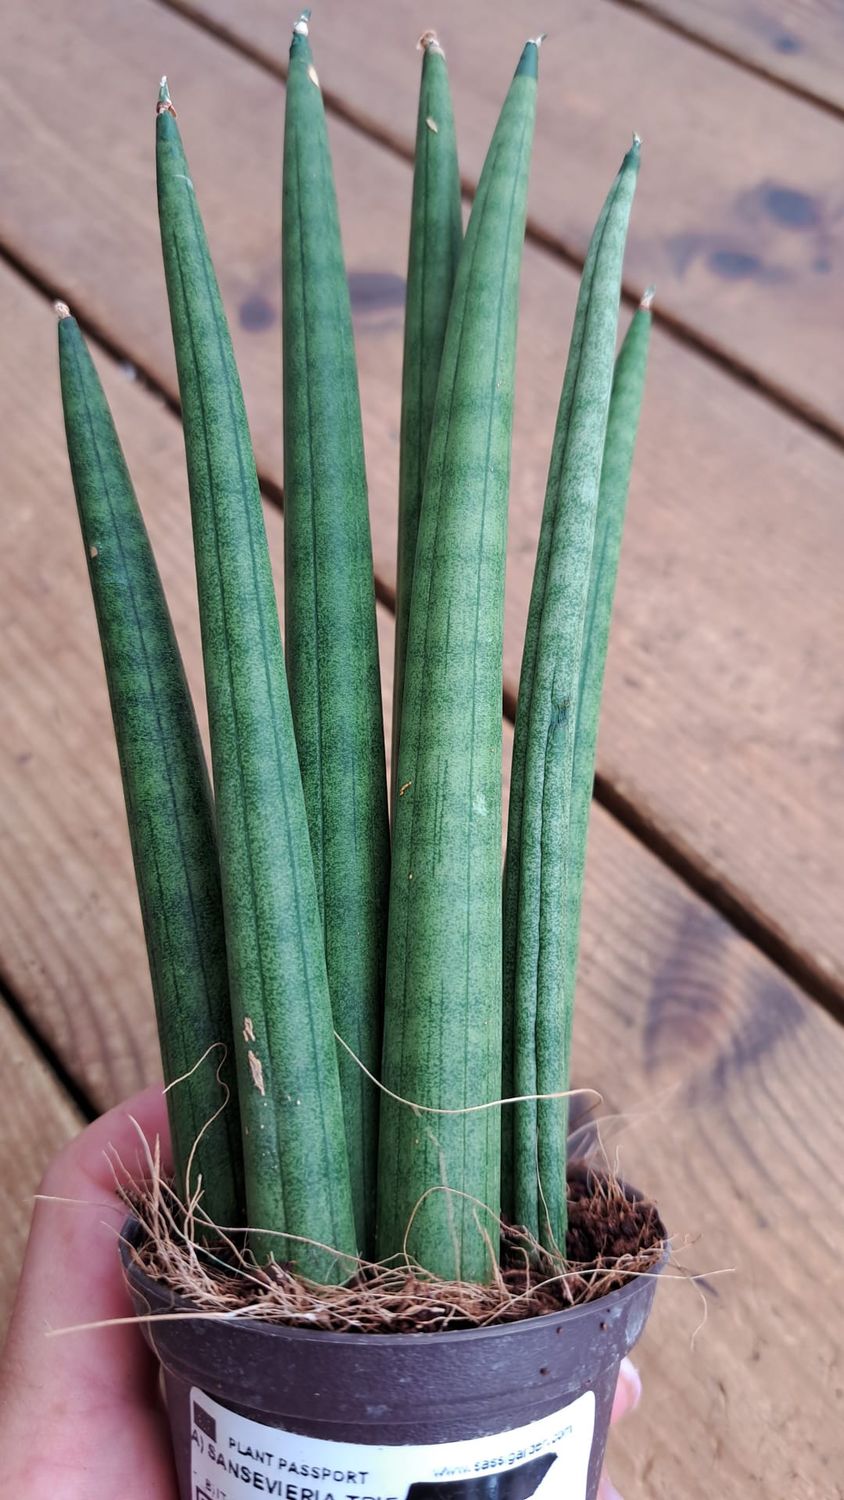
234,1458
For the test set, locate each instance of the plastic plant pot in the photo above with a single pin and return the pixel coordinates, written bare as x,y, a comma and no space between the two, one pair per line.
510,1412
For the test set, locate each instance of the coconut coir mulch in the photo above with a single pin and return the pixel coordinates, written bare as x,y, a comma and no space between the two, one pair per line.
612,1237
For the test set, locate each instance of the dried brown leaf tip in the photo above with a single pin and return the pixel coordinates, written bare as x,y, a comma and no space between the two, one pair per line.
429,42
165,103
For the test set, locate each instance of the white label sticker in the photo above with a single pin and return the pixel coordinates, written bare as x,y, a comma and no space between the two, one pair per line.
235,1459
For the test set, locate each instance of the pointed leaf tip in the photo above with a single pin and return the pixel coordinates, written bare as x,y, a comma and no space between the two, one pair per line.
648,298
302,26
165,103
528,64
61,310
633,154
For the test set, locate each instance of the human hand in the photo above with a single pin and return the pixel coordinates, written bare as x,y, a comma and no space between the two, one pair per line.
80,1415
628,1393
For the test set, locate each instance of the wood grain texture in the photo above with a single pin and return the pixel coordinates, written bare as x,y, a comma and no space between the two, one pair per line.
723,705
738,213
719,1105
716,1073
800,42
36,1120
82,968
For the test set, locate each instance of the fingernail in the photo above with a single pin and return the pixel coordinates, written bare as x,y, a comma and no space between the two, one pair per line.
632,1381
607,1490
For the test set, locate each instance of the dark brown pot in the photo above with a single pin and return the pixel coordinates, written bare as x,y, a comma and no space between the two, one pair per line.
258,1409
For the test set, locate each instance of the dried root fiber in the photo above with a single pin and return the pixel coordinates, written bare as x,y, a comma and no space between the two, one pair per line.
613,1237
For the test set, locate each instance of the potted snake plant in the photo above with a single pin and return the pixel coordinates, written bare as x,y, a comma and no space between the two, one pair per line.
373,1271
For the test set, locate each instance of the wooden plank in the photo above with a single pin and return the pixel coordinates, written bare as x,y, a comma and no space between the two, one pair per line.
801,44
707,1060
722,701
716,1072
737,216
83,965
36,1120
84,960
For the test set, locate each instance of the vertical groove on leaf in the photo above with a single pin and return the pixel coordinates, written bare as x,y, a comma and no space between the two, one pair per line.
331,628
537,940
168,797
295,1158
435,239
442,1043
622,426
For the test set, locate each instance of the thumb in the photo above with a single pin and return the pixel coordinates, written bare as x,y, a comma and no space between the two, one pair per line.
82,1391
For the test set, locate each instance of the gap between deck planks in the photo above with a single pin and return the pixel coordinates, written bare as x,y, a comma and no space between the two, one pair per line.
799,45
36,1119
716,1073
722,722
738,218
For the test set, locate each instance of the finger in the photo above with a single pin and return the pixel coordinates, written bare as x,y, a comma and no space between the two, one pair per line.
71,1271
607,1490
628,1391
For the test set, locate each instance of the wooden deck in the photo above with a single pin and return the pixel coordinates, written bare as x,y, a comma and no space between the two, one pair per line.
712,984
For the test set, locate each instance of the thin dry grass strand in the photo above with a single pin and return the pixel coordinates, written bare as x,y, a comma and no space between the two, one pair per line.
174,1082
702,1324
389,1297
222,1280
543,1200
466,1109
257,1310
589,1136
395,1296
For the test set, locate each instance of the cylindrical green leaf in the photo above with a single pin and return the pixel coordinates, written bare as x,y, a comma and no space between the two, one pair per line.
537,1002
295,1159
435,239
622,426
168,797
443,1002
331,630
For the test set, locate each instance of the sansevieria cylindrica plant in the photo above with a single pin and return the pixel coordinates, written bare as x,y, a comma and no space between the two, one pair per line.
366,1030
